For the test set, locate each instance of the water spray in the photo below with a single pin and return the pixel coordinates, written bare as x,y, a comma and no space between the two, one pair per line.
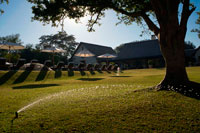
63,93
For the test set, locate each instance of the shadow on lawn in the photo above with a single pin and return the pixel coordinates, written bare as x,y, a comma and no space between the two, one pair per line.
33,86
191,89
42,74
70,73
23,76
82,73
58,73
90,79
7,76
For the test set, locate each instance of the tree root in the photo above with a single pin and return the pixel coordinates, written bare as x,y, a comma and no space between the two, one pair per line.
190,89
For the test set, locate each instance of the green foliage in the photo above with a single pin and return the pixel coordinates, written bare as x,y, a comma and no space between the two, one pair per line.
56,11
30,53
14,38
119,48
198,23
60,40
13,56
189,45
1,2
150,62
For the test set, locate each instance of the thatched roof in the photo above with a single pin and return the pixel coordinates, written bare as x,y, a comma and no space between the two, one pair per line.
141,49
95,49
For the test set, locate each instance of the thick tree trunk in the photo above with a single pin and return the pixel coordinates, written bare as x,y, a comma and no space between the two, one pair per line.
176,79
176,74
172,47
171,34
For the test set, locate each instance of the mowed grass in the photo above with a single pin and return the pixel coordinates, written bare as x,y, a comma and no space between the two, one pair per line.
100,102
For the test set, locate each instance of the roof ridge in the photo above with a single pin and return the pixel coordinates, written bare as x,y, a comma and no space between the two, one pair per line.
138,42
94,44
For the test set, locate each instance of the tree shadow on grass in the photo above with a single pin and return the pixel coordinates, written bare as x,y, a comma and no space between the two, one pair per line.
34,86
23,76
42,74
7,76
90,79
191,89
58,73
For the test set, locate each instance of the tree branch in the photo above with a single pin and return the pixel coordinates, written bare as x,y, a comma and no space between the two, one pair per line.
92,23
158,8
151,24
142,13
130,14
186,12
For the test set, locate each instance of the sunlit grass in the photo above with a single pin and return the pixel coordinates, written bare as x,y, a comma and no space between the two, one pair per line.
105,103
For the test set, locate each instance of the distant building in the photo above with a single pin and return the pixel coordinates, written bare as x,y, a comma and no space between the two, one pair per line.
94,49
144,54
197,56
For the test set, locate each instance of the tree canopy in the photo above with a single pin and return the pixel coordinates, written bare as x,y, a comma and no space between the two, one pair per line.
14,38
60,40
128,11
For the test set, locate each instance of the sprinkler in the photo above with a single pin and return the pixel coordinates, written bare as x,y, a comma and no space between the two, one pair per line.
16,115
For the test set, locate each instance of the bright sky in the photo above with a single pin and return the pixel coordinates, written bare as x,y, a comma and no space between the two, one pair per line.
17,19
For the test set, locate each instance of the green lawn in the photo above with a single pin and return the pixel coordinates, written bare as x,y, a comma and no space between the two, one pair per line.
102,102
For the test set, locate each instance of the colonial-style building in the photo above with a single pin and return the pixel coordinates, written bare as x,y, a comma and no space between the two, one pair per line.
95,49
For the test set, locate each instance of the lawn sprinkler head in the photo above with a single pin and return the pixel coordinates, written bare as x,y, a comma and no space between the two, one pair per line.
16,115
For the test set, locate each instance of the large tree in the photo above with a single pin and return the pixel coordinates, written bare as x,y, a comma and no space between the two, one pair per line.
167,19
60,40
14,38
